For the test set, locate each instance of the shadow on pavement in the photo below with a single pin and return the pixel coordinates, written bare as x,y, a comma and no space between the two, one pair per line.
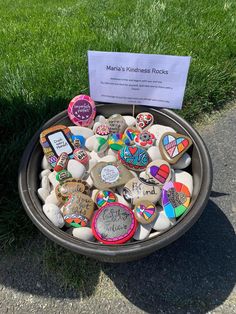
197,273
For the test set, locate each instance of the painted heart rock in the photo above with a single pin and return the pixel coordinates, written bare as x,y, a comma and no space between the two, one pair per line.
159,171
55,141
114,224
105,197
131,133
144,120
135,191
117,140
107,175
173,146
70,186
78,210
145,212
175,199
133,157
82,110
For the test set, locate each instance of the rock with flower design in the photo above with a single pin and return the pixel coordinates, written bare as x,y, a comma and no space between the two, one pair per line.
144,139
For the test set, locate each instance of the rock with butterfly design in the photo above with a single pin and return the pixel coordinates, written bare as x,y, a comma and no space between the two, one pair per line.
158,172
173,146
145,211
134,158
144,121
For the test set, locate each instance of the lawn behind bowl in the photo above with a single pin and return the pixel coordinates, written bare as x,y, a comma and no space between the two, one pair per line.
43,64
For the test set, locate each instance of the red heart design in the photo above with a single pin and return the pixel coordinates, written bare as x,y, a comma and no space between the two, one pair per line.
133,150
160,173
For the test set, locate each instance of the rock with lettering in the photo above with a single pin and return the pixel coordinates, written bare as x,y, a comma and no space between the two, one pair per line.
133,157
135,191
114,224
62,162
78,210
63,175
83,233
81,156
117,123
76,169
80,130
144,121
70,186
108,175
53,213
82,110
56,140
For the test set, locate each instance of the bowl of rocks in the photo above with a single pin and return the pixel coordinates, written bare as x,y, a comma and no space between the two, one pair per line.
115,182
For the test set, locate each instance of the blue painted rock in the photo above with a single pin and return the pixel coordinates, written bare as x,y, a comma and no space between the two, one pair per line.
135,158
117,140
173,146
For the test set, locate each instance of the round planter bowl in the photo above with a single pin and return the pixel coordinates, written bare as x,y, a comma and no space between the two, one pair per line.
201,169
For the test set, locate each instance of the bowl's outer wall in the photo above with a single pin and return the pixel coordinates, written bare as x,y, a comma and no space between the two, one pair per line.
202,178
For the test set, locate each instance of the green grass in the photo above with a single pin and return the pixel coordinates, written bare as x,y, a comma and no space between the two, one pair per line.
43,64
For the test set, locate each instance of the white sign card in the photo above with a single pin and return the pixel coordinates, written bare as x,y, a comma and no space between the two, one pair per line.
140,79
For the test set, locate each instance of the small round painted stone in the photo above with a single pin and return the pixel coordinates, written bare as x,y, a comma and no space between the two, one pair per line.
144,139
61,162
103,130
78,141
82,110
81,156
105,197
144,120
78,210
131,133
133,157
63,175
114,223
175,199
70,186
117,140
145,212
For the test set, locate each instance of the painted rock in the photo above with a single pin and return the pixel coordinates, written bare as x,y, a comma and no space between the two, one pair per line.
70,186
159,171
175,199
116,123
63,175
78,210
103,130
117,140
107,175
82,110
81,156
78,141
56,140
185,178
61,162
134,158
135,191
144,139
114,224
173,146
105,197
145,212
80,130
131,133
144,121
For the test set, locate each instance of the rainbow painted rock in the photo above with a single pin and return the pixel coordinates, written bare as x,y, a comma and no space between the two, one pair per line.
175,199
144,120
78,210
131,133
82,110
173,146
144,139
133,157
114,224
117,140
70,186
145,211
55,141
105,197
